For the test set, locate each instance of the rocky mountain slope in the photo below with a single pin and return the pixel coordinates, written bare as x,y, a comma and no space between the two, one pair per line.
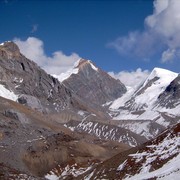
32,129
34,87
38,90
33,144
79,96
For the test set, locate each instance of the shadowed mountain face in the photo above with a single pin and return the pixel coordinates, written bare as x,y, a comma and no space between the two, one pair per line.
93,84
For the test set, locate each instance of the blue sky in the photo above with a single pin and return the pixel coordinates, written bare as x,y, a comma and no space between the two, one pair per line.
115,34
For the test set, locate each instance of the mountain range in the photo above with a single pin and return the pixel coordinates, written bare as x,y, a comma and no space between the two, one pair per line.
84,124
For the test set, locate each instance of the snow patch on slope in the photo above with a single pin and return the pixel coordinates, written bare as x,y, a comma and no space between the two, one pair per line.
66,75
171,170
70,170
140,127
165,151
7,93
92,66
122,100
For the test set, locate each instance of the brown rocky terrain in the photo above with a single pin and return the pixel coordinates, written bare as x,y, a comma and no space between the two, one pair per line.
32,144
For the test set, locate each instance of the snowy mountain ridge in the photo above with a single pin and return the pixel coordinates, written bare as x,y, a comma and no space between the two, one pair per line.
143,103
153,86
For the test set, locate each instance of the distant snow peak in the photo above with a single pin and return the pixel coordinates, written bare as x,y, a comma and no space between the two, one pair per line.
154,85
145,98
80,63
162,73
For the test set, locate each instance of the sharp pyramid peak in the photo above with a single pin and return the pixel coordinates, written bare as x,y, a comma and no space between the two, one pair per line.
81,63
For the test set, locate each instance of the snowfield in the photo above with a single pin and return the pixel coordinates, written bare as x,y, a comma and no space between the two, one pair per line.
149,92
7,94
142,103
170,171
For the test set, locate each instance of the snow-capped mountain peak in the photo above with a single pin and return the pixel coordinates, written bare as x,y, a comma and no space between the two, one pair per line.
82,62
163,75
142,103
154,85
78,66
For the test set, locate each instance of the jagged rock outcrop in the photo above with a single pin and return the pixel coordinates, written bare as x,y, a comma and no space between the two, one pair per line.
93,84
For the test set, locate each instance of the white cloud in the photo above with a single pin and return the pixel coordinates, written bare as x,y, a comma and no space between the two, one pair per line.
57,63
168,55
133,78
161,34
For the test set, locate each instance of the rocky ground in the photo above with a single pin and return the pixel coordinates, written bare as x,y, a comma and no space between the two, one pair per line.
32,144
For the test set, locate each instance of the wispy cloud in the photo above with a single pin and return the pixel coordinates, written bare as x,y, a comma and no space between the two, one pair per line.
131,78
34,28
57,63
161,34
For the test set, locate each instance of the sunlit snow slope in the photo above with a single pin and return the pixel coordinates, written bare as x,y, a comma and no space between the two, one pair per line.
7,94
142,103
